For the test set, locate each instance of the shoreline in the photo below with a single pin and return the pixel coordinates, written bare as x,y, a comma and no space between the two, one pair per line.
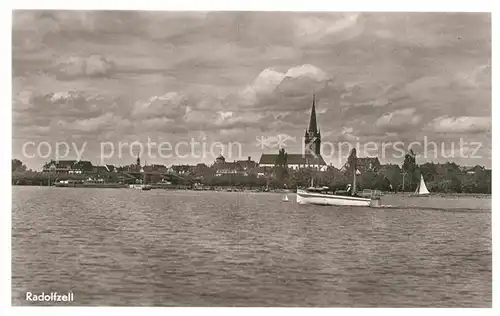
248,190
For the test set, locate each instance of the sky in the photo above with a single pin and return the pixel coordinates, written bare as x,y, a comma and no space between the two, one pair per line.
95,79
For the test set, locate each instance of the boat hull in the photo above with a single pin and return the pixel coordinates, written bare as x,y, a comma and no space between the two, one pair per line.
143,187
304,197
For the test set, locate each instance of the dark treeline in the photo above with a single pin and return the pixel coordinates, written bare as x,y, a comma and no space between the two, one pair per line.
444,178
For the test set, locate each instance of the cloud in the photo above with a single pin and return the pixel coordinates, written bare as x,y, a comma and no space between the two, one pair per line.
348,134
171,105
87,66
308,71
95,125
398,119
224,115
479,77
463,124
58,104
51,110
317,27
297,81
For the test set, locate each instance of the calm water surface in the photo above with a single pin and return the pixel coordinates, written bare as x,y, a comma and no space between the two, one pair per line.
180,248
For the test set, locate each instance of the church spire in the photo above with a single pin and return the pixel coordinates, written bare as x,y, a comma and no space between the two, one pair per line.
313,127
312,139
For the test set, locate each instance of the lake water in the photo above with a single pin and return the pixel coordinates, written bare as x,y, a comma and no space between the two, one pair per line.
179,248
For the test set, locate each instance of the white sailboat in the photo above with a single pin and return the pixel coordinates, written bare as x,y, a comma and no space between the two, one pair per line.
285,198
421,188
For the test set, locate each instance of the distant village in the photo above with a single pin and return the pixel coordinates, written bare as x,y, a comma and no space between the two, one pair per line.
447,177
273,171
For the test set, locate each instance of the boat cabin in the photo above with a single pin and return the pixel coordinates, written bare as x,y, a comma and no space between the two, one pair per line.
330,191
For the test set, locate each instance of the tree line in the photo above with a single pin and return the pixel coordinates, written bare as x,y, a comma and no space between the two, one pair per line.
445,178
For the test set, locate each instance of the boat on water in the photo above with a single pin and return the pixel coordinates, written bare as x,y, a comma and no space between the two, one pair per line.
350,197
285,198
421,188
326,196
143,187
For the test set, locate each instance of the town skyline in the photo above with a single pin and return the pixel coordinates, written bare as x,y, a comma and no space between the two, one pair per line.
236,76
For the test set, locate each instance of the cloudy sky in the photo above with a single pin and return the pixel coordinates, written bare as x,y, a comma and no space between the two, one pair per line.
85,77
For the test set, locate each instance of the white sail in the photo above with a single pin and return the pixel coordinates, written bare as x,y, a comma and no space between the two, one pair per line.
422,188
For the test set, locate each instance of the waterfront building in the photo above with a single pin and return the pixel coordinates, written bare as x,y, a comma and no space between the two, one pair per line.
239,167
182,169
68,166
155,168
223,167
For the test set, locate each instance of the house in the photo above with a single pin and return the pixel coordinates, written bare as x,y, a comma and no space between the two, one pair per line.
201,167
63,166
128,168
295,161
240,167
180,169
201,170
229,168
155,168
68,166
260,172
247,164
131,168
82,166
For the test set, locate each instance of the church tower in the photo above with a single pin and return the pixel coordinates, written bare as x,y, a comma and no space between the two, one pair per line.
312,138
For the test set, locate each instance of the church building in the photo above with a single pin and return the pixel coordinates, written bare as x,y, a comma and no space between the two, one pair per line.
311,157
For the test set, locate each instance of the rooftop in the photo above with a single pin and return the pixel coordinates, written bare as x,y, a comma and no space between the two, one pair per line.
293,159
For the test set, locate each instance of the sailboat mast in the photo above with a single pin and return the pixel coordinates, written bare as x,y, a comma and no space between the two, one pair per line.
353,163
354,182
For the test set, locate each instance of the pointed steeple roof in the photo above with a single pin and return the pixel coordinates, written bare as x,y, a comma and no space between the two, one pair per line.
313,127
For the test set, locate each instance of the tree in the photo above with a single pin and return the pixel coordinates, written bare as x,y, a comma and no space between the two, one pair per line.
17,165
281,166
391,175
409,167
352,162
